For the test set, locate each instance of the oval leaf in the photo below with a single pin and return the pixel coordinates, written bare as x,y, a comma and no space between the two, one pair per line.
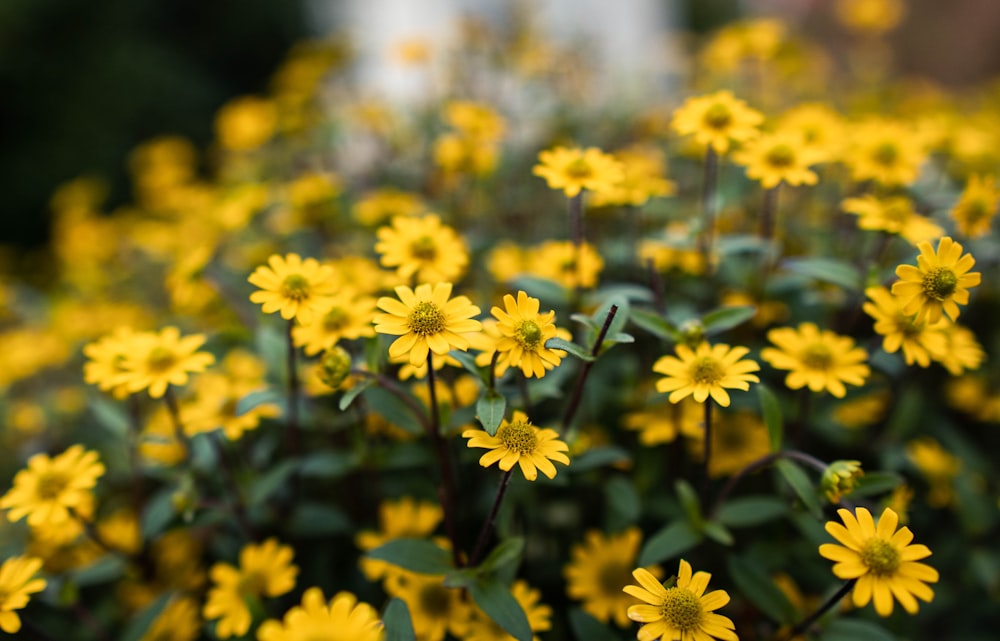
723,318
754,583
398,625
495,599
800,482
351,394
751,510
572,348
655,324
668,543
771,409
490,409
416,555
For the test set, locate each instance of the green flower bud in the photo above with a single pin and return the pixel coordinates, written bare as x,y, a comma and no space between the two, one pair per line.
840,478
335,367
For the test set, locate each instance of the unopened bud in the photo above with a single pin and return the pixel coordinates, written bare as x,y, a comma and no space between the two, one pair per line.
335,367
840,478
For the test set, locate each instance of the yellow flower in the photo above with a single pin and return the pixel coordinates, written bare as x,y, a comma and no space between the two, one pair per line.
345,315
738,439
523,334
475,120
682,612
939,283
518,441
216,405
51,491
962,351
293,287
562,262
576,169
885,151
343,618
104,361
918,339
821,360
642,179
179,621
17,584
266,569
894,215
705,371
426,320
156,361
434,609
717,120
663,424
881,558
776,158
422,248
598,569
483,628
748,40
870,16
938,466
820,127
404,517
383,204
246,123
973,213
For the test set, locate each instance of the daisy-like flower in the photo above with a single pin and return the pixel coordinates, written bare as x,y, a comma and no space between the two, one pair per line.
885,151
642,179
919,340
266,569
293,287
179,621
483,628
598,569
820,127
575,169
962,352
662,424
518,441
426,319
682,612
343,618
523,334
777,158
159,360
821,360
434,609
346,315
718,120
17,583
705,371
939,283
422,248
894,215
738,439
973,213
51,491
563,262
881,559
104,361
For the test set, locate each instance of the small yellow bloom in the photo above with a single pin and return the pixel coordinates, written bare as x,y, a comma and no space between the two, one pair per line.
705,371
422,248
518,441
939,283
888,152
894,215
575,169
873,17
977,206
919,340
403,517
158,360
426,319
344,616
17,583
246,123
717,120
563,262
523,333
821,360
293,287
777,158
53,491
345,315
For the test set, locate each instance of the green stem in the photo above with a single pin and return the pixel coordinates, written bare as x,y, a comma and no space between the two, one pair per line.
705,478
484,534
446,492
293,391
707,238
574,402
804,624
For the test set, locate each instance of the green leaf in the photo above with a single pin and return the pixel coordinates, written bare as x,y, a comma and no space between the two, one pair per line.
393,410
855,630
717,532
618,322
354,392
623,503
507,552
271,482
671,541
106,569
655,324
318,520
540,288
596,457
723,318
748,511
495,599
827,270
490,409
254,399
572,348
584,320
461,578
140,624
771,409
585,626
800,482
398,625
468,361
328,464
876,483
157,513
620,338
755,584
690,502
416,555
110,416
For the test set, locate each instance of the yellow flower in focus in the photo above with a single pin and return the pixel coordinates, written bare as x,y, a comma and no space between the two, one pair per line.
483,628
881,558
887,152
918,339
523,335
778,158
939,283
293,287
435,610
821,360
158,360
718,120
938,466
266,569
246,123
345,315
426,319
343,618
682,612
566,264
973,213
404,517
518,441
705,371
599,567
662,424
574,169
422,249
894,214
873,17
52,491
17,583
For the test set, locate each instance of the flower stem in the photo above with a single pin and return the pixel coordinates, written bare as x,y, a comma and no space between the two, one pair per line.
707,239
446,492
804,624
493,370
574,403
705,478
175,417
576,220
522,383
293,392
484,534
760,463
768,212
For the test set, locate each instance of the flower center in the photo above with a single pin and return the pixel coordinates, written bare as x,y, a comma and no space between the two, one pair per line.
681,609
252,582
881,557
424,248
425,319
161,359
940,283
295,287
706,370
976,210
612,577
335,319
50,485
528,335
906,326
781,156
885,154
817,356
579,169
518,437
718,116
435,600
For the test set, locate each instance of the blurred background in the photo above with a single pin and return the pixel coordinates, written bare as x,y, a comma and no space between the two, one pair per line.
85,82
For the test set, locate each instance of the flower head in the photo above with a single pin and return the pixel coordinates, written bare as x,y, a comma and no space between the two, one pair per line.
840,478
821,360
705,371
939,283
434,609
682,612
919,340
894,215
565,263
717,120
882,560
422,248
426,319
158,360
17,583
523,334
342,618
518,441
52,491
293,287
404,517
344,315
575,169
777,158
885,151
642,179
976,207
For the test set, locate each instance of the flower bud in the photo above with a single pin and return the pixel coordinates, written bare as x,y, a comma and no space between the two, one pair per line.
335,367
839,478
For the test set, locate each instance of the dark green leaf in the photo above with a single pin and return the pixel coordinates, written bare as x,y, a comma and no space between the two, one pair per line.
754,584
393,410
619,337
621,315
541,288
157,513
584,320
270,482
800,482
855,630
354,392
771,409
655,324
572,348
671,541
398,626
490,409
747,511
416,555
827,270
468,361
495,599
587,627
717,532
328,464
623,503
106,569
507,552
461,578
723,318
110,416
317,520
596,457
253,399
140,623
876,483
690,502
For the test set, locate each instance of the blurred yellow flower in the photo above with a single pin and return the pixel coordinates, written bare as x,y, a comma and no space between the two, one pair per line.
776,158
663,424
873,17
821,360
565,263
938,466
973,213
574,169
717,120
157,360
483,628
52,491
888,152
705,371
17,583
893,214
435,610
246,123
317,619
405,517
345,315
918,339
422,249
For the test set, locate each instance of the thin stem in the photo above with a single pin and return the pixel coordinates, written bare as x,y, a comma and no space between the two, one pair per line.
804,624
484,534
761,463
175,417
768,212
574,403
239,505
293,391
576,219
493,370
705,480
446,491
656,284
522,383
707,238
